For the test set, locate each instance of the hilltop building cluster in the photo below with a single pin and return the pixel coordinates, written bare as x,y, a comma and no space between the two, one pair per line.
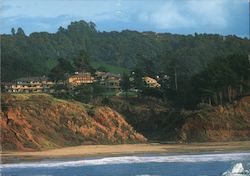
109,81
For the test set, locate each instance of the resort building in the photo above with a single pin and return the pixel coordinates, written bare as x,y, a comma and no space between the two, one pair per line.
99,75
80,78
111,81
29,85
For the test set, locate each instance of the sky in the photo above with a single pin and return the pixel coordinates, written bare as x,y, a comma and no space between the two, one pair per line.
225,17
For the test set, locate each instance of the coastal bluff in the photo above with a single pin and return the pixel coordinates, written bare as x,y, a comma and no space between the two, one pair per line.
39,122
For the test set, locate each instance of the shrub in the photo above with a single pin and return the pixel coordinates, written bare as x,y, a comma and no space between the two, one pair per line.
106,101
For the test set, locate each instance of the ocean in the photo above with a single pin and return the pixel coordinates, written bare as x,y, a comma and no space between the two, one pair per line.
203,164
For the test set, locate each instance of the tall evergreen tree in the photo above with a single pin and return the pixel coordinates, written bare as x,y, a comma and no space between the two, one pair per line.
13,32
82,63
20,32
60,71
137,76
125,83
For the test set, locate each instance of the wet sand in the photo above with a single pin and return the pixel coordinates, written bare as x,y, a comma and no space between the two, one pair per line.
124,149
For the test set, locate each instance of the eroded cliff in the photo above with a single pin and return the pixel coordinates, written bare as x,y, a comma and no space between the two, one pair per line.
40,121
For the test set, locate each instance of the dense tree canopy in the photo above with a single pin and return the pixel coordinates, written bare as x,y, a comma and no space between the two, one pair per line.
224,80
36,54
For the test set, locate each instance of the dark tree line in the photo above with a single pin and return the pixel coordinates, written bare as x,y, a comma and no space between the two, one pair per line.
36,54
224,80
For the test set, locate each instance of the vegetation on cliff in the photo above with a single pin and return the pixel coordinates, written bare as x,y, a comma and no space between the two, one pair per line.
230,122
160,122
39,121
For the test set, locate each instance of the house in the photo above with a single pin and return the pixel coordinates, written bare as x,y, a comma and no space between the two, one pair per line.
99,75
29,85
151,82
80,78
111,81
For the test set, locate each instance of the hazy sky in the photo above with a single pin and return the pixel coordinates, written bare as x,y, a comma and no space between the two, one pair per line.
175,16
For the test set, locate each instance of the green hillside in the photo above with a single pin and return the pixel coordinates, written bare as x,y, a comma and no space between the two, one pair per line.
108,67
32,55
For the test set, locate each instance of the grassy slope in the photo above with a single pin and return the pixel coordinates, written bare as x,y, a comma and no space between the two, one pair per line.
109,67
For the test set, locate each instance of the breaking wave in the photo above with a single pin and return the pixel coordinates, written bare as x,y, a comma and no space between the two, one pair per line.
131,159
237,170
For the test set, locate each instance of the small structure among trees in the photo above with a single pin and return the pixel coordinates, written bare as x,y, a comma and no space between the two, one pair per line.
151,82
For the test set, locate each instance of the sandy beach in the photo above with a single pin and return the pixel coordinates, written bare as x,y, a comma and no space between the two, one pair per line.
125,149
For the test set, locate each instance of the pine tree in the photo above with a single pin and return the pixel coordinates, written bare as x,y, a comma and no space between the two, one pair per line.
81,63
13,32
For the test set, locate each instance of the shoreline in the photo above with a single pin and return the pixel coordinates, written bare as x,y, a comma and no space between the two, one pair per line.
122,150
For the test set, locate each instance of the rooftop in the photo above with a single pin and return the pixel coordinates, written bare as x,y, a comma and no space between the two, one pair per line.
34,78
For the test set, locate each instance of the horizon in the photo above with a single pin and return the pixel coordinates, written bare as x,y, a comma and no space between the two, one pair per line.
183,17
131,30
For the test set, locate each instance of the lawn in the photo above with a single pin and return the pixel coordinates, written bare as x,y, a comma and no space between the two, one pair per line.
95,64
109,67
109,94
130,94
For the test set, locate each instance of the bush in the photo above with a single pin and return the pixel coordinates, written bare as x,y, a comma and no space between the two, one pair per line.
205,107
91,112
106,101
152,92
83,93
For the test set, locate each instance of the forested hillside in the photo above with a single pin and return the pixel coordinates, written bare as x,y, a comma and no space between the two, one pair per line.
37,53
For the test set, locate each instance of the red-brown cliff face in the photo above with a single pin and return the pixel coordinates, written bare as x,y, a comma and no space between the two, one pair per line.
223,123
41,122
161,122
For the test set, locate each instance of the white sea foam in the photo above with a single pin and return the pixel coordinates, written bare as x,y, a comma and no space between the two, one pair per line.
132,159
237,170
146,175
